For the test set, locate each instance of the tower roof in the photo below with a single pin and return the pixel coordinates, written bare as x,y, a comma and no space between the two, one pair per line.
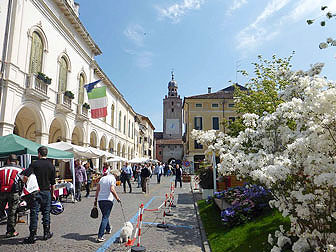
172,83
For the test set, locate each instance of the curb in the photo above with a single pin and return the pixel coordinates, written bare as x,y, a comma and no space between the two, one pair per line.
204,239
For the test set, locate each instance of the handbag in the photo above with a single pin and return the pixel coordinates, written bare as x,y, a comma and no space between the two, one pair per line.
94,212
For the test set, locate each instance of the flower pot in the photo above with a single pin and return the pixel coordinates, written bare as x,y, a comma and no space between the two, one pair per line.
207,192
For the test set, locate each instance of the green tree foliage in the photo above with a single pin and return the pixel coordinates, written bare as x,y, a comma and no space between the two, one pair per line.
327,15
269,78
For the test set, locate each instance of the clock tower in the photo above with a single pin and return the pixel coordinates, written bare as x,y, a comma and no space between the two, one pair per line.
172,112
169,144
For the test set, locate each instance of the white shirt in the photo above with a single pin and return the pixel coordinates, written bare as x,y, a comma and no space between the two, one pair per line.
105,187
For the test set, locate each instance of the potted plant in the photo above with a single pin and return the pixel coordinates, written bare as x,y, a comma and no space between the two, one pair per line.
86,105
205,174
69,94
44,78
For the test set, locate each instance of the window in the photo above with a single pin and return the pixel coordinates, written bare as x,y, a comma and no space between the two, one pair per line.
197,145
112,115
36,54
119,122
198,123
160,153
172,110
81,89
129,128
132,130
214,105
124,124
172,103
63,75
198,105
231,105
215,123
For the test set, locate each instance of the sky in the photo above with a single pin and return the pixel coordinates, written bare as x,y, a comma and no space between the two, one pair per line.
205,42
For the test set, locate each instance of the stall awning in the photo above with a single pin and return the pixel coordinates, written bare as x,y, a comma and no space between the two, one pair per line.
13,144
78,151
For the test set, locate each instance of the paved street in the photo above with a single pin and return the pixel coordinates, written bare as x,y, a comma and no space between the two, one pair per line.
74,230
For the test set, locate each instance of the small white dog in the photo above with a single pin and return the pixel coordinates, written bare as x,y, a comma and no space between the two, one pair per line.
126,232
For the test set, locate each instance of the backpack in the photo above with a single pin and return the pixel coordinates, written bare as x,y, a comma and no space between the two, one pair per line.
9,182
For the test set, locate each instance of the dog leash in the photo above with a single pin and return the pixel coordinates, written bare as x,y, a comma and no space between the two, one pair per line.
122,210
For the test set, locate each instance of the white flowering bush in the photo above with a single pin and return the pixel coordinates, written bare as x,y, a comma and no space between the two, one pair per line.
292,152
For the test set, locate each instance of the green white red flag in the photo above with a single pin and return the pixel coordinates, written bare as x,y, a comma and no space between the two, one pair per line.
98,102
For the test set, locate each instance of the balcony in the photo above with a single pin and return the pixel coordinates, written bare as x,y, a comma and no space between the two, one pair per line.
36,88
63,103
82,113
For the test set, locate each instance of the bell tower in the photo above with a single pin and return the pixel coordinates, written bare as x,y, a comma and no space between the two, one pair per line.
172,112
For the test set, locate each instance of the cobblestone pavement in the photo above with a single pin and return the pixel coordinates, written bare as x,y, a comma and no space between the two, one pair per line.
74,230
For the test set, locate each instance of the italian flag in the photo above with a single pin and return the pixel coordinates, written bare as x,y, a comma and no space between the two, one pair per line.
98,102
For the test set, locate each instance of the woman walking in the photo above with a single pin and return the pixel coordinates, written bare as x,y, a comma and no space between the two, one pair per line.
105,194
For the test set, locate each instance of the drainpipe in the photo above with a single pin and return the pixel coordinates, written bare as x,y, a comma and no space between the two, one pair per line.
4,50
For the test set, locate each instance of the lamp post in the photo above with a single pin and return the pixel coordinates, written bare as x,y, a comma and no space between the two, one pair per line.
214,170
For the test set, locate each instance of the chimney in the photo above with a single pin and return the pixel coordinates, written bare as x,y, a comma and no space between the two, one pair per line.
209,90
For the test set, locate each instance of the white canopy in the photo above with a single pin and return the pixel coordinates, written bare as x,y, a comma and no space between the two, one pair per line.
101,152
117,159
138,160
78,151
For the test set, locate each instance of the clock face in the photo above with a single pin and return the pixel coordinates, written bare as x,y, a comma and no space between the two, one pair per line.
172,126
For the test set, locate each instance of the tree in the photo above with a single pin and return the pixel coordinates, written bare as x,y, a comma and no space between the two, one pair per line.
327,16
270,78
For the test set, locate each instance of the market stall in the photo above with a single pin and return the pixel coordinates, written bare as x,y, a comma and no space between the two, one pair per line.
27,150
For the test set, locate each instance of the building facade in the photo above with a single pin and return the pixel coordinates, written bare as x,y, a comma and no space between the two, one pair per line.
169,145
205,112
46,59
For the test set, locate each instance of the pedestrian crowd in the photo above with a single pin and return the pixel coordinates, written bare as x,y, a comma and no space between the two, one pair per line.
36,186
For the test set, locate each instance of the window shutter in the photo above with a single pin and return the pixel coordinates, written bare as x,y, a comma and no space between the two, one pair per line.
36,54
62,85
81,90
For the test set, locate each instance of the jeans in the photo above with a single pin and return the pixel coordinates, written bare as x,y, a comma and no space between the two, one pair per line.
128,180
13,203
139,179
105,208
42,201
178,179
78,195
87,186
159,178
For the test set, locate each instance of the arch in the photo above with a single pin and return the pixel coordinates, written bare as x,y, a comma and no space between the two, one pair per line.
77,136
28,123
58,130
39,30
102,144
132,153
123,151
111,146
128,153
66,57
93,139
118,150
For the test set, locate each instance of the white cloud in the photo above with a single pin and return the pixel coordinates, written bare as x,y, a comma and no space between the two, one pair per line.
135,33
256,33
271,20
176,11
236,4
142,59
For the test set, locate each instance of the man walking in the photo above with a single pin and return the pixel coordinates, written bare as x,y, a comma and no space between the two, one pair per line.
10,187
145,173
178,175
80,178
89,174
44,171
127,174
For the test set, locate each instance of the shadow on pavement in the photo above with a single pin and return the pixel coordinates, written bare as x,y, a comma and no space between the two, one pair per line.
79,237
